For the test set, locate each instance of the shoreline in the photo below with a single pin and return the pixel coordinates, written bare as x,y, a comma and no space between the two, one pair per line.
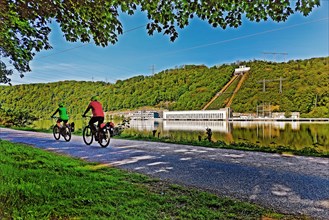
282,119
247,119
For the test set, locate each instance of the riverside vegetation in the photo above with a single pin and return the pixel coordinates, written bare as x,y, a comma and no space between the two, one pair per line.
37,184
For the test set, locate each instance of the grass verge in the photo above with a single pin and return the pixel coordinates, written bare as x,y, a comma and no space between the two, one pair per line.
37,184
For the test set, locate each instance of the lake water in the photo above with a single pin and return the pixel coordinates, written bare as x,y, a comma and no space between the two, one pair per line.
266,133
296,135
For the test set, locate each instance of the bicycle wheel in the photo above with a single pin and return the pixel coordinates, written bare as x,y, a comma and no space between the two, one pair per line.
104,139
67,134
56,132
87,135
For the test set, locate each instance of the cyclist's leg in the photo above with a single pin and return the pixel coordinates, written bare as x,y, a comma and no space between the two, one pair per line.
72,126
59,122
92,122
100,121
65,123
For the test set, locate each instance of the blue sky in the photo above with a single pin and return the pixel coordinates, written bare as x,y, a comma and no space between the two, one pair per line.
137,53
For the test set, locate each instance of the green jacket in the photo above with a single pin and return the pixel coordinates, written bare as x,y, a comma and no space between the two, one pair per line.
62,113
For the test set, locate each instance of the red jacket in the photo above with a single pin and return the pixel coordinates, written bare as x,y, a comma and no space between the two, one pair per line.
96,108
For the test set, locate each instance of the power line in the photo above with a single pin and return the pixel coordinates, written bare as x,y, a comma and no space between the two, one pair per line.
275,55
67,50
242,37
76,47
272,80
152,69
62,71
203,45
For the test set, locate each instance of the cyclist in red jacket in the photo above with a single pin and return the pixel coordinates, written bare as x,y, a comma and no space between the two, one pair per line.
97,111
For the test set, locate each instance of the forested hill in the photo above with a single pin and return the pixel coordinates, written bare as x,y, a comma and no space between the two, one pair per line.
304,89
188,87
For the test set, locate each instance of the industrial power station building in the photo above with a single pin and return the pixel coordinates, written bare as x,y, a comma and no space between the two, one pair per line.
213,115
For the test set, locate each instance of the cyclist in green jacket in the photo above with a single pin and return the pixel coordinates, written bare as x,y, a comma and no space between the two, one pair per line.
63,117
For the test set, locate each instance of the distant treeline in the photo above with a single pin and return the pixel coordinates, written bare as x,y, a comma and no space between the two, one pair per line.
304,89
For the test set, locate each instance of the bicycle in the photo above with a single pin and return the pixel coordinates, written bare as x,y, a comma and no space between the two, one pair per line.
64,131
102,134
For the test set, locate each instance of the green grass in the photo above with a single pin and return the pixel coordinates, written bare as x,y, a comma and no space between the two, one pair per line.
36,184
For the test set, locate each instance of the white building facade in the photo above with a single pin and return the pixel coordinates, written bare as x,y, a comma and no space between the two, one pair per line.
211,115
144,115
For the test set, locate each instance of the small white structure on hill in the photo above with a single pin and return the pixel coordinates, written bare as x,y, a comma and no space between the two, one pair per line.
241,70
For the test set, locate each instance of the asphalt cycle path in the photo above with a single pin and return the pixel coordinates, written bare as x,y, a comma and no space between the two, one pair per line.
289,184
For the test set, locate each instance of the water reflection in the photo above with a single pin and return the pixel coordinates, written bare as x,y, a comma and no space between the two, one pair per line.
220,126
146,125
266,133
282,125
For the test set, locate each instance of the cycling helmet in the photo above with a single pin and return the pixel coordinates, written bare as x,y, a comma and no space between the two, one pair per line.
61,104
94,98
